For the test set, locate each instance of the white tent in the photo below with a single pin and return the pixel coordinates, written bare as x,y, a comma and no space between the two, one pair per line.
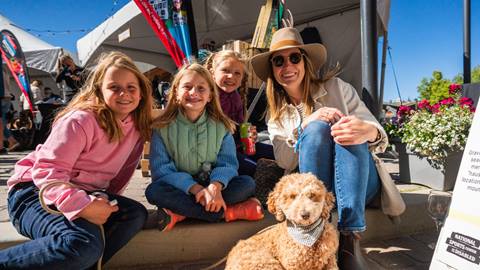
41,57
39,54
338,22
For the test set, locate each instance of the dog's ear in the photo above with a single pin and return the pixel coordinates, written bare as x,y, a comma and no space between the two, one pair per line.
272,202
328,205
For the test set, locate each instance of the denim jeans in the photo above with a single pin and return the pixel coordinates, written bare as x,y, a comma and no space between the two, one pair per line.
163,195
348,171
58,243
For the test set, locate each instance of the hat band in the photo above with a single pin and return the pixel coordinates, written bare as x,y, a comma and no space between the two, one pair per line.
283,43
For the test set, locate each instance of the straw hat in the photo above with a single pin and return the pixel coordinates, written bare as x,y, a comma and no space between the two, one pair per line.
286,38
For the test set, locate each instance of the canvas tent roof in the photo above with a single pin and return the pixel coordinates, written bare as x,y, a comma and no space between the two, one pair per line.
39,54
338,22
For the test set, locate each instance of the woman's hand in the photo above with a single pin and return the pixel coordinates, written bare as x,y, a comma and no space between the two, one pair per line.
253,133
327,114
98,211
217,203
351,130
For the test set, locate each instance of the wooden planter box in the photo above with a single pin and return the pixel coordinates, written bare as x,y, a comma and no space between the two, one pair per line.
416,170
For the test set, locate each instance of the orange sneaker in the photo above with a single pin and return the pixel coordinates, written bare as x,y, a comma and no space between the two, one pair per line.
250,209
167,219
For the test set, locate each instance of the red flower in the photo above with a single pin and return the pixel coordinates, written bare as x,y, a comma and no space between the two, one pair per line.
436,108
447,101
424,104
454,88
403,110
465,101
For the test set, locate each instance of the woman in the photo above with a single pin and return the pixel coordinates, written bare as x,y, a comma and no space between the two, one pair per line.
322,126
73,75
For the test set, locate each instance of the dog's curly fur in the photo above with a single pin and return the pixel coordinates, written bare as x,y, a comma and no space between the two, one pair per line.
302,199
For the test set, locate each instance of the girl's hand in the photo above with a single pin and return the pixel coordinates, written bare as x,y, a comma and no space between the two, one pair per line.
98,211
203,197
215,188
253,133
327,114
351,130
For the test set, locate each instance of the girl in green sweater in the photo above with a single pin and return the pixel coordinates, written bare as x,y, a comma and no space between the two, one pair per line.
193,157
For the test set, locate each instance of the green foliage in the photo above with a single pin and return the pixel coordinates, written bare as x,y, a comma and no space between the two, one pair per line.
434,89
475,76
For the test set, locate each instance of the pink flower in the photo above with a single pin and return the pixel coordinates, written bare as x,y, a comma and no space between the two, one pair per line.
454,88
424,104
465,101
448,101
403,110
436,108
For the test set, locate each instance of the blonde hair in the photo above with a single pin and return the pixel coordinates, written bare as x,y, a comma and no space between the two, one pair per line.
216,58
213,107
277,97
90,98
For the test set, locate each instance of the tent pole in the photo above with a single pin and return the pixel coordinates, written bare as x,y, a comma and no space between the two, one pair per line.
382,71
466,42
368,25
191,27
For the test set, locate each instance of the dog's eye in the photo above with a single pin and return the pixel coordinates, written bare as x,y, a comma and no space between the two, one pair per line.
292,196
310,195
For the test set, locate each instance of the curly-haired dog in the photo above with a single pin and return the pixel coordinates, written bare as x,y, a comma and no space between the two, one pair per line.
305,240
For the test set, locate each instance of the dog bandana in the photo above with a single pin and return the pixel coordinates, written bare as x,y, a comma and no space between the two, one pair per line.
306,235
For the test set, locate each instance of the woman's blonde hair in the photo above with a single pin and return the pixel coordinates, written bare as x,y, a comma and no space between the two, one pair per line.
216,58
277,97
213,107
90,98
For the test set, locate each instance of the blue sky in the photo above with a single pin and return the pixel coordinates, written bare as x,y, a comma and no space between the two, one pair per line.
424,35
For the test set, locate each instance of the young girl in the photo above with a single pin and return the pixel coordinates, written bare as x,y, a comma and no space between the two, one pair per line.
192,136
87,160
228,69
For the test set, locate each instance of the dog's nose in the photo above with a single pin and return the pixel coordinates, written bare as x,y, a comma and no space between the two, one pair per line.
305,215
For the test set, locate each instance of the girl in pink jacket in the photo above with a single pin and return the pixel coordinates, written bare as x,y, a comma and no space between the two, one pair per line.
85,163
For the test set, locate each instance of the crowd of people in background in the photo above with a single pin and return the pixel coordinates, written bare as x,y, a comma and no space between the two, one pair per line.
22,121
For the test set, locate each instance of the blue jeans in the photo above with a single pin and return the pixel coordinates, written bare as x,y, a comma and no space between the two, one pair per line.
62,244
348,171
163,195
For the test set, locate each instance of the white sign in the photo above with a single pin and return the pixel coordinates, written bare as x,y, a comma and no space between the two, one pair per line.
458,246
124,35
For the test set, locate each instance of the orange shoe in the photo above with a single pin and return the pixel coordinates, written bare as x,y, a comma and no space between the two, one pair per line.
167,219
250,209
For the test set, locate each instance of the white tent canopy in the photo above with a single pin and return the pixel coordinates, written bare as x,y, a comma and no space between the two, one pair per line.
39,54
41,57
338,22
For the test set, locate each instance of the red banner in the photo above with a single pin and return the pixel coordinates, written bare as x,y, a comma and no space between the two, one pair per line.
160,29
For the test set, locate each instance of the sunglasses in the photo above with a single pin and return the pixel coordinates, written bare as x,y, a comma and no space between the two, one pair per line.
294,58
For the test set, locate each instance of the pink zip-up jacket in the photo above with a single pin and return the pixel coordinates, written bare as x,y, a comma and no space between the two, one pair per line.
78,151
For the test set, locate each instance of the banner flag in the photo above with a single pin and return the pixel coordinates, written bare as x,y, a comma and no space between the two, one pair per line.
179,14
158,25
13,56
174,15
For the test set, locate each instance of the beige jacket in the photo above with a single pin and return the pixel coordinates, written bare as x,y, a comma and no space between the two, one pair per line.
338,94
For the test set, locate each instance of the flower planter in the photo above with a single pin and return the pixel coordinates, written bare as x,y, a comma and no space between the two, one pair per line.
416,170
